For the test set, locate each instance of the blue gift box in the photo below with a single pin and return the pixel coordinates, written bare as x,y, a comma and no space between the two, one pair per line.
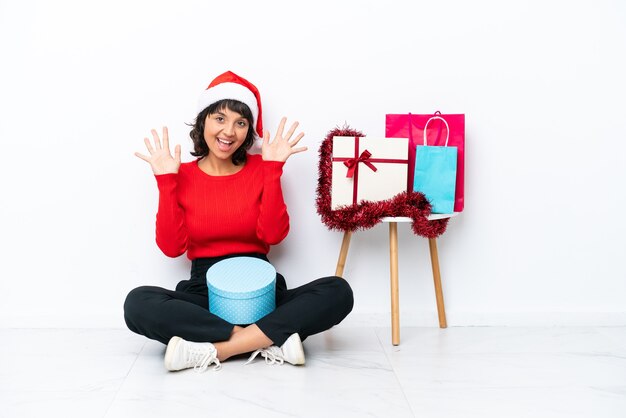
242,290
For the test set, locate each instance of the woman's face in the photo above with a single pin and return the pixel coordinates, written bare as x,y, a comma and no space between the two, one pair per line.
224,132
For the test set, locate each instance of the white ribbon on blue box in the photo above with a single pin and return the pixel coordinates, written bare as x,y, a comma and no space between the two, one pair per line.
242,290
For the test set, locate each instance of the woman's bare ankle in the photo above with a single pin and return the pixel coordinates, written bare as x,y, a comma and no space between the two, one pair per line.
222,352
222,346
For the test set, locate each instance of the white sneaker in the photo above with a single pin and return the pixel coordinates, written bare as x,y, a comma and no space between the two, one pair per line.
181,354
291,352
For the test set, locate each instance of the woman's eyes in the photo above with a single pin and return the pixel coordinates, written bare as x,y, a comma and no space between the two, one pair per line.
241,123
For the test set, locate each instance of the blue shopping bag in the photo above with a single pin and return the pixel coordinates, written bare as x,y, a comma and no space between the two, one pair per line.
435,173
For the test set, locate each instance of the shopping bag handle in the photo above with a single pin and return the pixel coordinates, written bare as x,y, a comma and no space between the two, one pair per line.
447,129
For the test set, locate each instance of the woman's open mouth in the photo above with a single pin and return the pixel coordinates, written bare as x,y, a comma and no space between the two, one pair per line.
224,145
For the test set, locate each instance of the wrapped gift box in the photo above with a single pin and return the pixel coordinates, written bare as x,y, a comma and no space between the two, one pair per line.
242,290
371,169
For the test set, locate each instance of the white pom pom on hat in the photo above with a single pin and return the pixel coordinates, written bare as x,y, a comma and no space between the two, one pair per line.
231,86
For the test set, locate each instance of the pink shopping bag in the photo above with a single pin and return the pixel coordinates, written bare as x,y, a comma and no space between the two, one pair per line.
411,126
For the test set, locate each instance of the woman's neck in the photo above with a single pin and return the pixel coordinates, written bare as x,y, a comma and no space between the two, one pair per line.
218,167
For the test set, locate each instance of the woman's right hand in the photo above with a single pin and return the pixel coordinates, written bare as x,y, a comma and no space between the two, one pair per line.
160,158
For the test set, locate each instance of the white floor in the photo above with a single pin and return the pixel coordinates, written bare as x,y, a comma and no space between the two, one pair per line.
350,372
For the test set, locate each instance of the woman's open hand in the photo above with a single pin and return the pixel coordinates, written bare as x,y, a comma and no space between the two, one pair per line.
281,147
160,158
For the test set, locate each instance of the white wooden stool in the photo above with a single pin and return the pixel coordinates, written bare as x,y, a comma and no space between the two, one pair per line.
393,262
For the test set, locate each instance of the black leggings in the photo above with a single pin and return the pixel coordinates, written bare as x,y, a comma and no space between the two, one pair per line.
160,314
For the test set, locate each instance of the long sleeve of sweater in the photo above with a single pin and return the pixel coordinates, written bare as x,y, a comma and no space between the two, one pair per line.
171,234
273,222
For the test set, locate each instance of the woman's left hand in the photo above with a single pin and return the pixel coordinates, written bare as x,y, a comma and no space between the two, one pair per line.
281,148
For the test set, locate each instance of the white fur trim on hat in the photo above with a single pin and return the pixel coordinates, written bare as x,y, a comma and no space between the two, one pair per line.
232,91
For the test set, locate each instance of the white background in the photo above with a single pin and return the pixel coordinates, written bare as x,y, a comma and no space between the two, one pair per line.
541,84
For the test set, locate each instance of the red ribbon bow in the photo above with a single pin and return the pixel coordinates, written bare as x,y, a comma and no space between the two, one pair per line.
352,163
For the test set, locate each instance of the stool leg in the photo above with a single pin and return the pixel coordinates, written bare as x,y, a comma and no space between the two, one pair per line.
343,254
434,260
395,299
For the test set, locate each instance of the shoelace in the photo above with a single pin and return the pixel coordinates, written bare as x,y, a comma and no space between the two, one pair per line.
272,355
201,358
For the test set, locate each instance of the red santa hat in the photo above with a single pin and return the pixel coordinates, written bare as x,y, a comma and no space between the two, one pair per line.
230,86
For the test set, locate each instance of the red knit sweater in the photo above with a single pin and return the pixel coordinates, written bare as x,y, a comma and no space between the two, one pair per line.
209,216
